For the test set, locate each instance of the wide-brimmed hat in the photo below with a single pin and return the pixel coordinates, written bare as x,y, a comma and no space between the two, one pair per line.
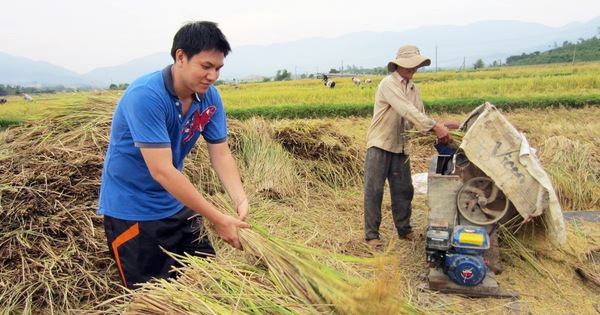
408,57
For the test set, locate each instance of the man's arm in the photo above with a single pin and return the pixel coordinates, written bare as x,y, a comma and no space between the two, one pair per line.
224,164
450,124
408,111
159,162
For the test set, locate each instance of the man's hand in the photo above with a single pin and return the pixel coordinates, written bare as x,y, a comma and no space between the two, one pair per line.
227,229
442,133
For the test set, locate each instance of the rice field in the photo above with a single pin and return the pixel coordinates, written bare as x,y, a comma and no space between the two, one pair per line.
306,253
513,82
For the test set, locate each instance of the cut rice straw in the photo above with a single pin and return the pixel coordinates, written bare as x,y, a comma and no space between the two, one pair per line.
296,269
426,139
284,278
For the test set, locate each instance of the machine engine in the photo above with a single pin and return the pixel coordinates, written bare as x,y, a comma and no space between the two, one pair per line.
460,256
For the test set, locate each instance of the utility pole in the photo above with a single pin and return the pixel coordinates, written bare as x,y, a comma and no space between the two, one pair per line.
574,49
436,58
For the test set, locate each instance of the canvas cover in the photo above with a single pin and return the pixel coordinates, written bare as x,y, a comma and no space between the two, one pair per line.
496,147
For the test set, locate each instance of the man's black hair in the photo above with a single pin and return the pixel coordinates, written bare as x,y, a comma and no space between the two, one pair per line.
195,37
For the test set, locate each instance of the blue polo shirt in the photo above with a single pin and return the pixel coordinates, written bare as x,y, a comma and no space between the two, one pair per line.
149,115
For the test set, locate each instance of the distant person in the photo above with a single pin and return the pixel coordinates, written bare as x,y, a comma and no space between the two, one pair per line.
27,97
147,202
398,108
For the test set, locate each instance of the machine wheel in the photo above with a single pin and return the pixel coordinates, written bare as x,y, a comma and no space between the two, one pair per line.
481,202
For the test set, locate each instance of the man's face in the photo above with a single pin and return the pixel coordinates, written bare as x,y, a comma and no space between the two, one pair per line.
406,73
200,70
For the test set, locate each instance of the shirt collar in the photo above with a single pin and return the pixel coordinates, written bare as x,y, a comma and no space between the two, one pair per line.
168,78
408,84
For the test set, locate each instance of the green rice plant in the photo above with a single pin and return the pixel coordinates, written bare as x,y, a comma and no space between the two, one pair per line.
505,83
450,91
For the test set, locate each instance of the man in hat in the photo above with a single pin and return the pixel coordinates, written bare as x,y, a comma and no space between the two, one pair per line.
398,108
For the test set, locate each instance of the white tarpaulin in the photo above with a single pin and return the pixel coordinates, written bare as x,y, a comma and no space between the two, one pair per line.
419,181
495,146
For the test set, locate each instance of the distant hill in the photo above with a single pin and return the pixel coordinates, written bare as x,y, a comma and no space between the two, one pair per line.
448,47
130,71
22,71
583,50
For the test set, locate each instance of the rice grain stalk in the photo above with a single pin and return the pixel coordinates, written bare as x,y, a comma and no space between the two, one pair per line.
429,140
299,271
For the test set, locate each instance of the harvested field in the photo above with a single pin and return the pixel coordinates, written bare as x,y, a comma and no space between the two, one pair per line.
304,180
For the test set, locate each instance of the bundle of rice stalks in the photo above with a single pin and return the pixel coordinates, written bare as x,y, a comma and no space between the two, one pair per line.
429,140
282,277
300,271
215,286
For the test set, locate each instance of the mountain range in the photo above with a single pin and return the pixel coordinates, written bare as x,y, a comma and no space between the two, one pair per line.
447,46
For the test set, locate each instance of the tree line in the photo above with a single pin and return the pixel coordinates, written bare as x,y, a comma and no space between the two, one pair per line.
6,90
583,50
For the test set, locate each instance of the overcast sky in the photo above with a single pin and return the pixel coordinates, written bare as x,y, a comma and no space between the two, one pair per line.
82,35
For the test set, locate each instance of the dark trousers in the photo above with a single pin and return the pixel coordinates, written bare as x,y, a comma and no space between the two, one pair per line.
137,246
381,165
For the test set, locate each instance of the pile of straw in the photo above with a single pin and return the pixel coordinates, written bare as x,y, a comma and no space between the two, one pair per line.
327,154
269,169
575,176
51,255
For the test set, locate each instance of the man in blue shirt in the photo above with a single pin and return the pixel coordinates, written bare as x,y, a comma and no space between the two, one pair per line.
146,200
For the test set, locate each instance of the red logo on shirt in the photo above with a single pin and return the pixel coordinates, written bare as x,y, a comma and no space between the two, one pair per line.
198,121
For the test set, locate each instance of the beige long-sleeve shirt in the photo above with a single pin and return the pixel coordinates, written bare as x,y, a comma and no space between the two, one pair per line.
398,107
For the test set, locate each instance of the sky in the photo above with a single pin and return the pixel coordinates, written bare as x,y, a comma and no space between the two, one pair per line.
82,35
